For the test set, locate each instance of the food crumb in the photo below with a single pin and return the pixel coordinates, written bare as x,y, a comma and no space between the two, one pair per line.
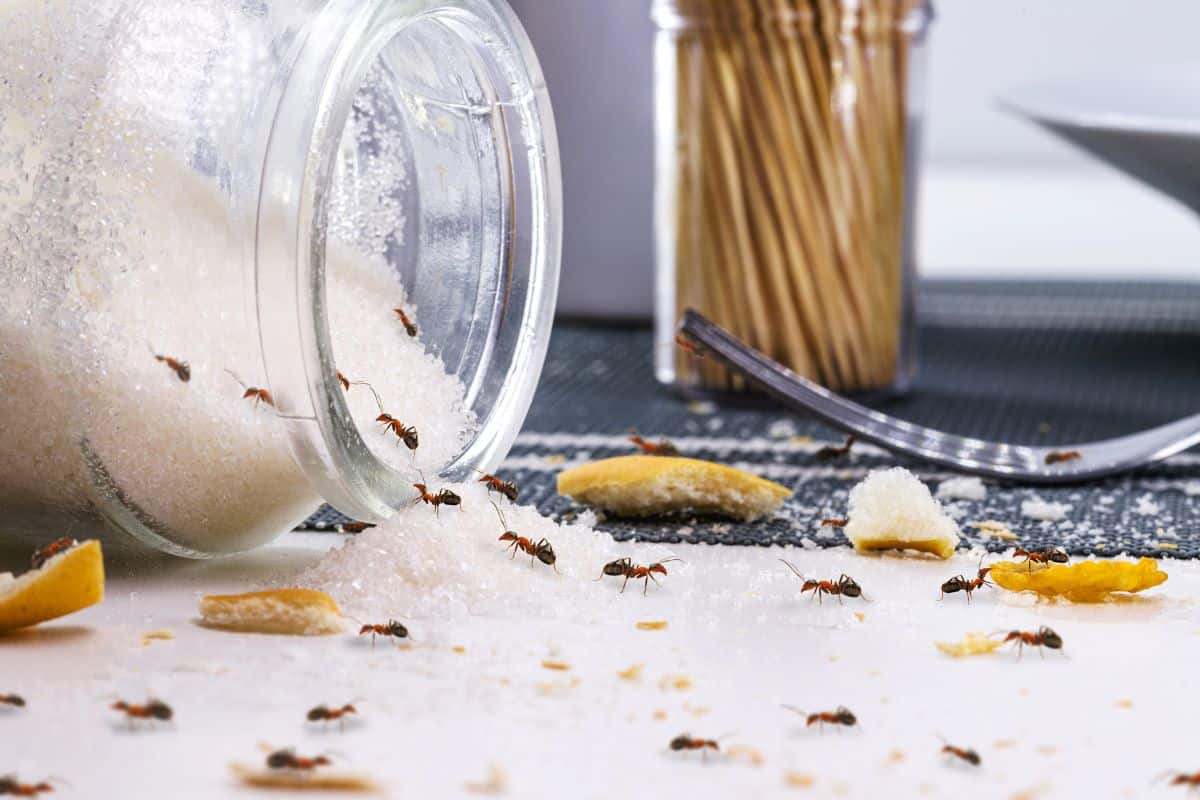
495,783
551,688
742,752
1046,749
1004,744
660,714
632,674
679,683
554,459
560,666
994,529
860,616
458,648
652,625
798,780
896,756
1125,703
696,711
316,782
160,635
1166,546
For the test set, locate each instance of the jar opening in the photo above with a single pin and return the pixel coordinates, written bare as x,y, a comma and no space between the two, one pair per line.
429,184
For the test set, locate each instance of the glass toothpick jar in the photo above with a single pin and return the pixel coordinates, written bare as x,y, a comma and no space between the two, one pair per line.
787,138
212,213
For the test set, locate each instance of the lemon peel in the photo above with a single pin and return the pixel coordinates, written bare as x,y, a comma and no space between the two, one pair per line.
1081,582
68,582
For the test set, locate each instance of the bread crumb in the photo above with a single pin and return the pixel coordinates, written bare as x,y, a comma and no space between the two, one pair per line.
1004,744
896,756
860,616
294,612
560,666
1046,749
632,674
314,781
973,644
652,625
495,783
1125,703
994,529
660,714
680,683
742,752
160,635
458,648
554,459
798,780
1166,546
892,510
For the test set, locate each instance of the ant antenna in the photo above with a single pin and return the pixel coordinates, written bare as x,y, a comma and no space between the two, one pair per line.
378,402
795,710
235,377
500,513
792,567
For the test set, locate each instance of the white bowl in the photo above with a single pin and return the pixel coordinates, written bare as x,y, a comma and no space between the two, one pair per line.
1143,121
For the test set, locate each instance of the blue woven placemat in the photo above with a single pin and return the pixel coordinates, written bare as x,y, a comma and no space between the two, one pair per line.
1046,364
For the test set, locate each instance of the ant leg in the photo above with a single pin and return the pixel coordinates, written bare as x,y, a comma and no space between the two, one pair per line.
624,584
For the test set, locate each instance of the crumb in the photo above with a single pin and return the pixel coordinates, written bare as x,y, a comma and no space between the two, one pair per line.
1004,744
1046,749
896,756
696,711
458,648
632,674
660,714
1166,546
681,683
652,625
560,666
798,780
1023,691
701,407
294,612
322,781
551,688
860,616
160,635
994,529
962,489
742,752
554,459
495,783
808,440
892,510
973,644
1125,703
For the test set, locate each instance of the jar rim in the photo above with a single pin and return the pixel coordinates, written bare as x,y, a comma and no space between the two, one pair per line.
343,42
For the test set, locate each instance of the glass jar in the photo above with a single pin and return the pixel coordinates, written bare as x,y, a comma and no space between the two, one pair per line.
212,213
787,135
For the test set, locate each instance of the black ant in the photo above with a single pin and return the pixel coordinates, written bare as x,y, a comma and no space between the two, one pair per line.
287,759
840,716
391,628
1056,555
14,700
182,369
1059,456
844,585
830,452
541,550
1043,637
443,498
49,551
624,567
150,711
410,327
324,714
685,741
259,395
506,488
10,784
960,583
663,447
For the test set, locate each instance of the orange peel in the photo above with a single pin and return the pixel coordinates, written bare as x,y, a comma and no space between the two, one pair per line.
1082,582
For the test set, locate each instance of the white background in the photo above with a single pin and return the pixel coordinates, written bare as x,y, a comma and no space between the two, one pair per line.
998,196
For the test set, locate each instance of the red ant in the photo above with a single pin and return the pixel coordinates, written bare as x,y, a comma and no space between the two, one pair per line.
182,369
688,346
356,527
10,784
1043,637
410,327
1190,780
392,628
839,716
325,715
259,395
287,759
506,488
961,583
48,551
406,434
835,522
1059,456
965,753
684,741
624,567
344,381
14,700
663,447
443,498
830,452
151,710
844,585
540,550
1056,555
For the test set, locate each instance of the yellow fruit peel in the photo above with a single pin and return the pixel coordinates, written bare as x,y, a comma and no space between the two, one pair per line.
68,582
1082,582
642,486
973,644
291,612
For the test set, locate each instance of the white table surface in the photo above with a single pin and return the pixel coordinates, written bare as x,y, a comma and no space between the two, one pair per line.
1101,719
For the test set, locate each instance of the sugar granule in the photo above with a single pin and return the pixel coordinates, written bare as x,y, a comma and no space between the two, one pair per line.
962,489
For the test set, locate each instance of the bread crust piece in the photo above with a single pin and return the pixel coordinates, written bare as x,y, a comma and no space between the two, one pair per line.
290,612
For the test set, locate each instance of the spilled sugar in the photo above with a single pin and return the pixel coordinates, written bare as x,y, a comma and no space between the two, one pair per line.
962,489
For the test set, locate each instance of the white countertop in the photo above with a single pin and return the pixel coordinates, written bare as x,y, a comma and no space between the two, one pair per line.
1100,719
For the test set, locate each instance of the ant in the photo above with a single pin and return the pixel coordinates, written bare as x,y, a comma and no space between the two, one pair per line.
182,369
663,447
1056,555
14,700
259,395
49,551
324,714
961,583
684,741
1190,780
506,488
287,759
392,628
10,784
344,381
540,550
406,434
1059,456
624,567
1043,637
356,527
840,716
965,753
410,327
835,522
830,452
443,498
844,585
150,710
688,346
